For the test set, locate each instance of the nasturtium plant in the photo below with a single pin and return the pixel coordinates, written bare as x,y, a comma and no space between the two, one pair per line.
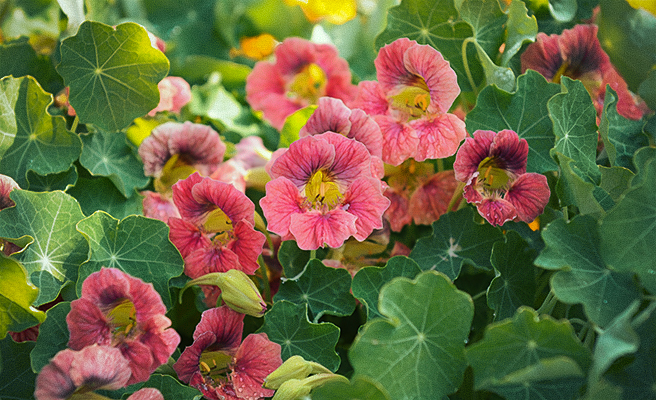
463,201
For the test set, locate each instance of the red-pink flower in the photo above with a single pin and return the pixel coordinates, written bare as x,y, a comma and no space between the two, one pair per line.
323,192
174,93
410,102
222,368
301,73
118,310
215,231
577,54
92,368
493,166
158,206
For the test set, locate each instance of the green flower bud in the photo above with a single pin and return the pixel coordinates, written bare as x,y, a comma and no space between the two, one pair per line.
291,390
295,367
239,292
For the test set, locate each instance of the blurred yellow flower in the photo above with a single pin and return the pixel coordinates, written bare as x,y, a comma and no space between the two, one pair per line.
336,12
648,5
255,47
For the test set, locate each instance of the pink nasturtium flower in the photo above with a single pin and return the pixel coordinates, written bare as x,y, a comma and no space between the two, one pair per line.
301,73
215,231
577,54
223,367
410,102
122,311
493,167
74,374
174,93
323,192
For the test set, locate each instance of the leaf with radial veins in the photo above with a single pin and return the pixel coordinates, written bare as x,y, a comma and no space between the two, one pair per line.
628,230
48,183
30,138
112,73
523,111
369,280
417,351
287,324
584,278
436,23
324,289
136,245
16,298
108,154
514,283
575,127
456,239
486,20
512,349
56,249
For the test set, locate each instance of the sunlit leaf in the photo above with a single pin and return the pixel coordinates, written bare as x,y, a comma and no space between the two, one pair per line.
524,111
108,154
30,138
112,73
293,124
287,324
514,283
368,282
512,349
53,336
56,249
456,239
324,289
563,10
136,245
520,28
574,248
417,351
16,298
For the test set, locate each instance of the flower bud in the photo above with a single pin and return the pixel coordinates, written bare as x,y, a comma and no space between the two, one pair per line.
239,292
295,367
292,390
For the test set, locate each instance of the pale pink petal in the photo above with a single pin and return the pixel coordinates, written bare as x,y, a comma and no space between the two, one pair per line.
471,153
282,200
304,157
371,99
438,137
174,93
54,381
365,201
352,160
247,245
146,394
529,194
157,206
251,152
263,81
7,184
398,213
314,229
400,141
186,237
277,107
256,358
390,68
509,152
441,79
331,115
99,367
366,131
431,199
497,211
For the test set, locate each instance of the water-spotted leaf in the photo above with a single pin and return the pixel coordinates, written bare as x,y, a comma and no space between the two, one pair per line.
53,336
584,278
16,298
324,289
417,351
17,380
287,324
56,249
436,23
30,138
368,281
136,245
514,283
575,127
108,154
621,136
456,239
112,73
628,231
513,349
523,111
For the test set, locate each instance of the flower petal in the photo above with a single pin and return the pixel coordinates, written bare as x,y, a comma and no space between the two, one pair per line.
400,141
398,213
256,358
390,68
303,158
186,236
313,229
496,211
352,160
529,194
438,137
431,199
247,245
471,153
365,201
509,151
282,200
331,115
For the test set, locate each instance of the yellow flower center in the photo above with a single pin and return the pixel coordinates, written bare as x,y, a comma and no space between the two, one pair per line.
214,364
176,168
491,176
123,317
218,222
309,83
321,190
413,100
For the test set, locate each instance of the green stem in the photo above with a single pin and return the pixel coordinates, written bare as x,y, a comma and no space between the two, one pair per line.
467,70
76,121
457,195
313,254
265,277
478,295
548,304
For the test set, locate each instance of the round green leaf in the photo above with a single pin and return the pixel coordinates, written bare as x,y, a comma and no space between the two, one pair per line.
16,298
137,245
112,73
417,352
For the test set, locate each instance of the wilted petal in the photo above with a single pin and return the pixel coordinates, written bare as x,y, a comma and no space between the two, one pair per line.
159,207
431,199
398,213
